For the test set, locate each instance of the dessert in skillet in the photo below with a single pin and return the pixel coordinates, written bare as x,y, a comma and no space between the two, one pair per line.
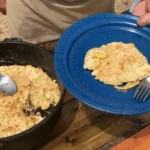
35,90
117,63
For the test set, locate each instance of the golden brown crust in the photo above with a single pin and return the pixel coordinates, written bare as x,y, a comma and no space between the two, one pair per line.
123,64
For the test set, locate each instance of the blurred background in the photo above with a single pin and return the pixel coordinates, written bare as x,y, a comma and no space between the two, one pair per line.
120,6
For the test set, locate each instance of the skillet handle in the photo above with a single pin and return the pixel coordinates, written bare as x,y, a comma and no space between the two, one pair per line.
13,39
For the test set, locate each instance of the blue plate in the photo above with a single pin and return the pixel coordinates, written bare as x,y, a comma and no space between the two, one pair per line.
95,31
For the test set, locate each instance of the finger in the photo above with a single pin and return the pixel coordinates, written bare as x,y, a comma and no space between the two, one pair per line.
144,20
147,6
140,9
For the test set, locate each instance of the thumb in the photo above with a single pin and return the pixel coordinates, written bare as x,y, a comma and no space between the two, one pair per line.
144,20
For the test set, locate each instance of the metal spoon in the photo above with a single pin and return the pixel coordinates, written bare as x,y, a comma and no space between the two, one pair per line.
7,85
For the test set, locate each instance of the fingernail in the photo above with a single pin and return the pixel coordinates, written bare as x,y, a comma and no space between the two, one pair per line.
142,22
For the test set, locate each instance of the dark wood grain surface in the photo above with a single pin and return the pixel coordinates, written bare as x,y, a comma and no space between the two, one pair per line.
83,128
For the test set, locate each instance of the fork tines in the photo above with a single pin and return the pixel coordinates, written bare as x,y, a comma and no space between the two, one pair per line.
142,93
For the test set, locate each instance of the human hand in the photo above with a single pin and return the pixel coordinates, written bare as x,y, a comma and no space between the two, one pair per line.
142,9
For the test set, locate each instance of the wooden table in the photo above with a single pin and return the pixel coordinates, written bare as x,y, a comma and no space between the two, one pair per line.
83,128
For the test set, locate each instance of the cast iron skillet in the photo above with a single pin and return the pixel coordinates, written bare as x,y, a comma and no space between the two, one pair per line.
15,51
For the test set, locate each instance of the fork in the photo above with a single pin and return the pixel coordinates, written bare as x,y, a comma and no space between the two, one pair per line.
143,90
